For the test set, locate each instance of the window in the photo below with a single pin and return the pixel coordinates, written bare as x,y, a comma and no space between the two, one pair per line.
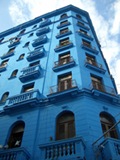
64,58
26,44
78,16
4,63
4,97
80,23
16,135
22,32
31,34
64,42
11,50
64,22
65,30
21,57
97,83
28,87
65,126
83,31
86,43
14,73
1,39
34,63
63,16
91,60
34,26
64,82
106,123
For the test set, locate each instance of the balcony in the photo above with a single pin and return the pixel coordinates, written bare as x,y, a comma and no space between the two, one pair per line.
73,148
89,47
84,34
8,54
106,92
14,42
82,25
110,149
64,33
63,24
42,31
3,67
14,154
37,53
63,64
41,40
94,66
30,73
61,47
66,89
45,22
29,98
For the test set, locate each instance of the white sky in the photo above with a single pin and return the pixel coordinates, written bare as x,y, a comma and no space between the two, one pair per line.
105,16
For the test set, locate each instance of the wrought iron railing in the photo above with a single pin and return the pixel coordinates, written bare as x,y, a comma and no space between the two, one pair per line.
103,88
93,63
64,44
63,87
30,70
63,149
63,61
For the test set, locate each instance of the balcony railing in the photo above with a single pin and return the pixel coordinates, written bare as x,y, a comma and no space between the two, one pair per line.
89,47
41,40
64,63
23,98
30,73
73,148
45,22
86,35
14,43
37,53
14,154
110,149
8,54
82,25
42,31
102,88
94,65
64,33
66,45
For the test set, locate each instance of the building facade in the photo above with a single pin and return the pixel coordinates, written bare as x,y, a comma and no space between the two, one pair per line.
58,100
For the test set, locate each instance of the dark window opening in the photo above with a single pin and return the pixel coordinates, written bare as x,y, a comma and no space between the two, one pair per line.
64,42
22,32
106,123
91,60
4,63
78,16
64,82
21,56
14,73
65,30
64,58
28,87
97,83
86,43
16,135
34,64
63,16
65,126
4,97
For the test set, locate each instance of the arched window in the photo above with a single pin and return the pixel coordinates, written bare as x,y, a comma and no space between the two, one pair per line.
63,16
21,57
4,97
65,126
14,73
107,122
16,135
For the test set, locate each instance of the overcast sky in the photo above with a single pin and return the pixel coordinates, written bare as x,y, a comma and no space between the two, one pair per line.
105,15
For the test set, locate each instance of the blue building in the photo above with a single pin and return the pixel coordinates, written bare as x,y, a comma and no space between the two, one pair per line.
58,100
